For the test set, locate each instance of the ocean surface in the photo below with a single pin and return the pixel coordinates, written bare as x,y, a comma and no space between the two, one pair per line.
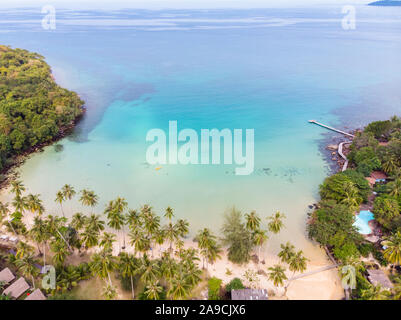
270,70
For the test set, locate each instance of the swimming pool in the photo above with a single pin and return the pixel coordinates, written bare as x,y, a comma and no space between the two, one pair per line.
361,221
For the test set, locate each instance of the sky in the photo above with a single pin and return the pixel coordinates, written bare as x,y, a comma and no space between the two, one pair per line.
176,4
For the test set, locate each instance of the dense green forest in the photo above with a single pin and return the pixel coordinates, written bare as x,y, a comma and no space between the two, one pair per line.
376,148
33,108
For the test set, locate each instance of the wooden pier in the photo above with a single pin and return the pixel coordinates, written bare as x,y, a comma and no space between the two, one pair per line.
331,128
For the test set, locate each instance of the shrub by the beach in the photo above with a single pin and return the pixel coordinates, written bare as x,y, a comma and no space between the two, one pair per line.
361,183
237,237
214,287
365,159
234,284
364,139
365,249
333,224
346,252
379,128
340,188
386,210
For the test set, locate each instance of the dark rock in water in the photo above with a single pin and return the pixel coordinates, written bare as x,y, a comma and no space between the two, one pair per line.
58,148
311,206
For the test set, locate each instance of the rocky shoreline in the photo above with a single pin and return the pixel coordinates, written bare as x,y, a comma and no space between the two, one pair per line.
9,174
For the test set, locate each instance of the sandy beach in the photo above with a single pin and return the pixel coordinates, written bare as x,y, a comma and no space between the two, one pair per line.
325,285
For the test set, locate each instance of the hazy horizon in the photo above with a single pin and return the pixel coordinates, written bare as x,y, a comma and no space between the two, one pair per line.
178,4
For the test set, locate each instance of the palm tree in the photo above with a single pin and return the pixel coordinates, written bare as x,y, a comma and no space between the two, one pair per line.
34,204
23,249
277,275
389,164
148,269
179,287
17,188
393,251
107,240
276,222
133,219
4,211
375,293
395,187
169,214
68,191
287,252
259,238
252,221
208,246
116,219
297,263
172,233
182,227
60,199
78,221
102,264
351,195
20,204
109,292
139,241
60,252
89,237
94,223
128,268
153,291
159,237
88,198
40,234
27,265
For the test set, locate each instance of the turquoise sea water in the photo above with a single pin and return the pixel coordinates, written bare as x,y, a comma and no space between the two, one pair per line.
267,70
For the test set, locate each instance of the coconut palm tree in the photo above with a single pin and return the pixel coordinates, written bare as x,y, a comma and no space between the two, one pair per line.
20,204
393,251
277,275
351,195
60,251
153,290
34,204
395,187
116,219
252,221
23,249
172,233
286,253
107,240
148,269
179,286
259,238
4,210
134,219
102,264
27,265
54,224
68,192
208,246
375,293
128,266
169,214
296,263
89,238
60,199
95,223
78,221
276,222
390,164
109,292
17,188
139,240
182,227
159,237
88,198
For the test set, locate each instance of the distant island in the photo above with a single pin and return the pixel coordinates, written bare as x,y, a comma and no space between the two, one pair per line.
386,3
